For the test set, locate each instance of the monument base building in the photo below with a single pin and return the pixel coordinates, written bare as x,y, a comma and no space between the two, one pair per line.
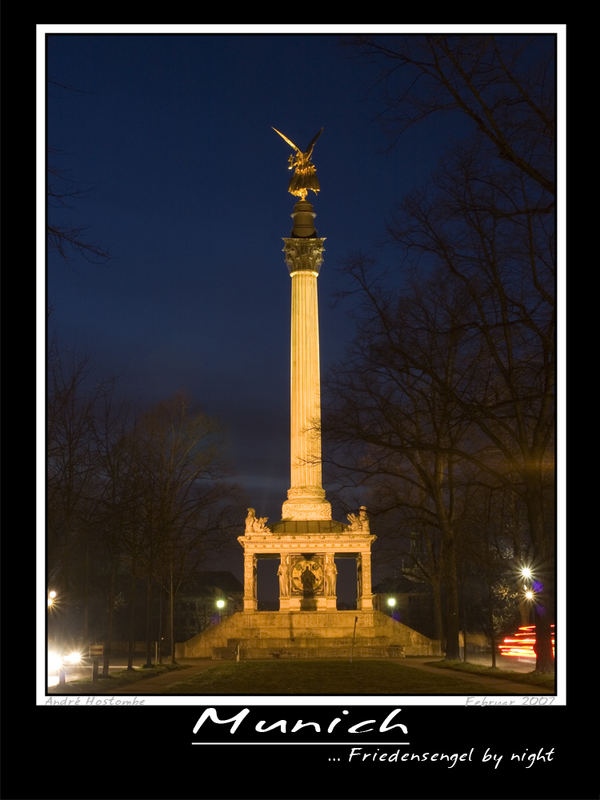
308,624
307,540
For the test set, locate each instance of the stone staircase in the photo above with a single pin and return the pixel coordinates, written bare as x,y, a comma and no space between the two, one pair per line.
307,635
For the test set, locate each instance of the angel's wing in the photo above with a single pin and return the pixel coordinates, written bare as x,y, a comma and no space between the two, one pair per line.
289,141
309,149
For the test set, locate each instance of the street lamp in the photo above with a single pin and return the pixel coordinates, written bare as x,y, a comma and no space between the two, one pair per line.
391,603
51,598
527,575
220,604
73,658
524,577
528,591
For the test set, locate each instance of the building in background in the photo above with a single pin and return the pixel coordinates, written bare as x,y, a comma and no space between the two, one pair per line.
206,600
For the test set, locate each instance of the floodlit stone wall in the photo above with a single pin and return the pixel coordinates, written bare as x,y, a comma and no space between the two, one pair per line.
306,634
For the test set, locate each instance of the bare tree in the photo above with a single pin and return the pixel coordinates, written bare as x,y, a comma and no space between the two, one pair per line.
71,476
504,85
495,544
130,499
62,192
395,401
505,264
484,228
118,495
183,500
63,238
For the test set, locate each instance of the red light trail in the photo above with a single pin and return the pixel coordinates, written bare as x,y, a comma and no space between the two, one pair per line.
521,644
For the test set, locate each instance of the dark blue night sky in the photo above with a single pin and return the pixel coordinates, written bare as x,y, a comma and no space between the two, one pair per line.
185,184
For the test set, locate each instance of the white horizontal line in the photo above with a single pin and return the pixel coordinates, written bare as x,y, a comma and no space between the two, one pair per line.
331,743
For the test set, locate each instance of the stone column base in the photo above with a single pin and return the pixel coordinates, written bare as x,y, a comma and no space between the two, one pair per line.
249,604
365,603
299,603
305,509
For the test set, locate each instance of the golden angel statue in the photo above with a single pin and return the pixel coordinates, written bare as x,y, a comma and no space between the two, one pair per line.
305,175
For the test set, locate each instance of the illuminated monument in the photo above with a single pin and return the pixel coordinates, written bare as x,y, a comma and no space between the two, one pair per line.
307,541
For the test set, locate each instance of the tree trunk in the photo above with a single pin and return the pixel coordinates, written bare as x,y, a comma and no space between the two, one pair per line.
160,624
109,624
131,645
172,619
148,621
452,626
86,592
544,560
543,641
463,606
437,613
492,629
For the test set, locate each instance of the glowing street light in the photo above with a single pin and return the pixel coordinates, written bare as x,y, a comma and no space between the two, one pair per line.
526,572
51,598
73,657
391,604
220,604
528,596
54,662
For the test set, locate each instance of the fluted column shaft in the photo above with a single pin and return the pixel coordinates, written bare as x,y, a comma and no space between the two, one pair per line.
305,387
304,255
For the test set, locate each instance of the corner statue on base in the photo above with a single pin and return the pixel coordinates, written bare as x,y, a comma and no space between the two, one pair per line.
256,524
360,522
305,175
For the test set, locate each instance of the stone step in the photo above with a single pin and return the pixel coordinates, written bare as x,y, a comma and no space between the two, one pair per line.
264,630
303,641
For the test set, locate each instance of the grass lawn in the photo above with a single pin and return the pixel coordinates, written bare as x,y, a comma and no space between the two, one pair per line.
533,678
327,678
